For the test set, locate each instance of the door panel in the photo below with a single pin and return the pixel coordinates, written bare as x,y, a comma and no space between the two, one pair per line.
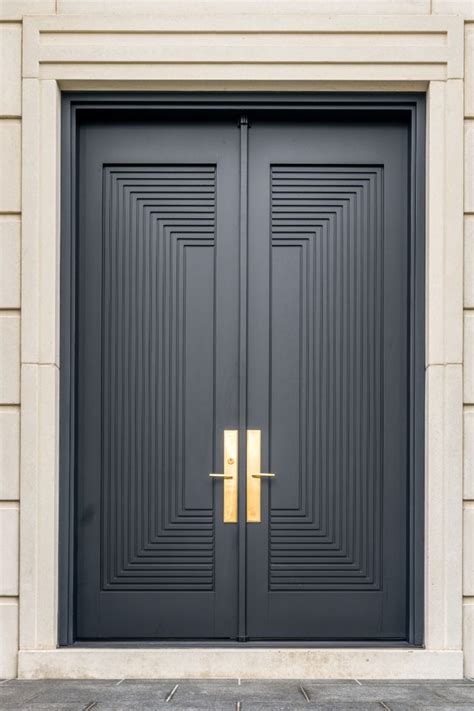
156,340
328,374
180,337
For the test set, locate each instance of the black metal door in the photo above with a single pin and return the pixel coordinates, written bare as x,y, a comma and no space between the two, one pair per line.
328,379
157,371
242,278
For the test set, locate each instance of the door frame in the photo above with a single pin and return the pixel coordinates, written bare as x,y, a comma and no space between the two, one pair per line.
410,106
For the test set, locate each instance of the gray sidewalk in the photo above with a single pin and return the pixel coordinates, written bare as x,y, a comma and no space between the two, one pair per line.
236,695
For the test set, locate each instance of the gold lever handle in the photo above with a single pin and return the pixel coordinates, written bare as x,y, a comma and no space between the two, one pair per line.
230,476
254,449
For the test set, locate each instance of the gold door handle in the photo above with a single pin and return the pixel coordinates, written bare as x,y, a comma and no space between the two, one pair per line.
230,476
254,450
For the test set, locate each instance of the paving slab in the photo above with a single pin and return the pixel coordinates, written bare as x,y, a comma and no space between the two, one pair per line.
443,706
45,707
406,682
246,705
269,691
422,693
137,695
252,706
223,695
458,692
13,693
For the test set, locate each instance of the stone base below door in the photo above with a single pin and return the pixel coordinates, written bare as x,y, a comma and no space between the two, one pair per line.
248,663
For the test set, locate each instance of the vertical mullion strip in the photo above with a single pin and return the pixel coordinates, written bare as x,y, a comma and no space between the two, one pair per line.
243,245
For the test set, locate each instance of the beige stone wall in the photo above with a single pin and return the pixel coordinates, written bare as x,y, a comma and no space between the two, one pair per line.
12,13
10,302
468,489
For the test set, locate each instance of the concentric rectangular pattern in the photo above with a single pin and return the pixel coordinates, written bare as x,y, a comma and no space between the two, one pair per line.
158,366
327,380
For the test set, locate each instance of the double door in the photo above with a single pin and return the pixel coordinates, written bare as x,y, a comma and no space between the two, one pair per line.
242,309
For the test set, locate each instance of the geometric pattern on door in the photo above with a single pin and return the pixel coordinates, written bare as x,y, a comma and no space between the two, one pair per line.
326,318
158,249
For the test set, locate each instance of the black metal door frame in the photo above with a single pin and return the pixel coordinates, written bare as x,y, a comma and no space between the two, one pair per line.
410,107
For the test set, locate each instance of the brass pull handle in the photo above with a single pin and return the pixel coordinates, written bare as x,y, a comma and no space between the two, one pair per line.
230,476
254,449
